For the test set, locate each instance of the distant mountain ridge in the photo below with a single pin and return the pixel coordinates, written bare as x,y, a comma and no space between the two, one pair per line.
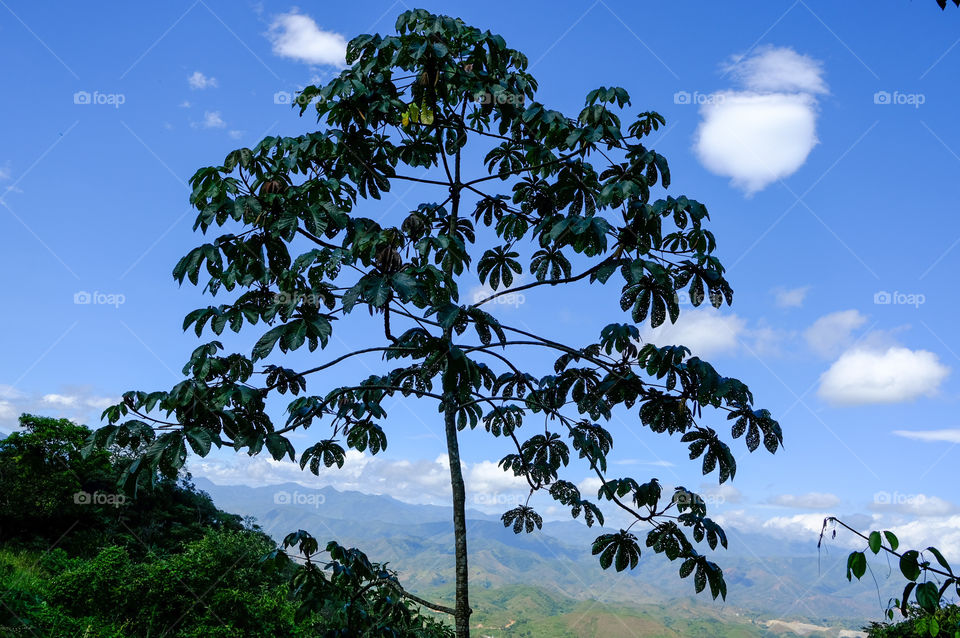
766,577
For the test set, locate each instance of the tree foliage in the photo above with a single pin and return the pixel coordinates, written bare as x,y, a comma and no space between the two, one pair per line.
166,561
506,185
929,576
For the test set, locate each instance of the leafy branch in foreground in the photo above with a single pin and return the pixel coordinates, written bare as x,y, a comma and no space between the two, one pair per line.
927,581
506,185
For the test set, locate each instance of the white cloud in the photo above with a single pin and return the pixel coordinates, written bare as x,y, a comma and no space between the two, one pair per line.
801,526
297,36
831,334
77,404
913,505
705,331
590,486
940,532
236,135
9,392
756,139
779,69
200,81
185,104
419,481
8,411
766,132
931,436
5,172
894,375
719,494
790,297
211,119
808,501
60,399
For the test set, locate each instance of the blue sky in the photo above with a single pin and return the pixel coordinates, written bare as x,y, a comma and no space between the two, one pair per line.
821,136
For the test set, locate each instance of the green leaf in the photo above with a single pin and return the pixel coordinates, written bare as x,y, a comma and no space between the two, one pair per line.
909,565
200,440
875,542
892,540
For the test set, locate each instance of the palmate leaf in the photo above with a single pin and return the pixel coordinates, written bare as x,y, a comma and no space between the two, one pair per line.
523,519
620,550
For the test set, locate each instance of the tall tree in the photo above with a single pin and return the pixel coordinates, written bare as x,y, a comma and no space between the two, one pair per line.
505,182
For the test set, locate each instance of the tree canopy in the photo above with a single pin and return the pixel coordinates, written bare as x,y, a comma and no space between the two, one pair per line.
507,185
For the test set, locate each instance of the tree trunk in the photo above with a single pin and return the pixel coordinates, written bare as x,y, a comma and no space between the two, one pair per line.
462,617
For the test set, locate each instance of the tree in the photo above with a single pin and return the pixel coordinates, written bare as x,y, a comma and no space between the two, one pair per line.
505,182
926,582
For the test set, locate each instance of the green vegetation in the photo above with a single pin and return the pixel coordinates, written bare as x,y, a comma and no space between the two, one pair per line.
919,623
927,582
165,560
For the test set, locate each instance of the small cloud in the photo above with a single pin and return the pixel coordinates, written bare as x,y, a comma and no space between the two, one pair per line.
808,501
931,436
200,81
185,104
831,334
236,135
5,171
298,37
897,374
764,133
705,331
211,119
60,399
720,494
790,297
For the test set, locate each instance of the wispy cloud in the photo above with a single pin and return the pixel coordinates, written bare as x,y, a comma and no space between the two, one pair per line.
200,81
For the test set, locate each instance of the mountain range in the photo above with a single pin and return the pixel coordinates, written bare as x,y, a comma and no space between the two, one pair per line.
775,587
